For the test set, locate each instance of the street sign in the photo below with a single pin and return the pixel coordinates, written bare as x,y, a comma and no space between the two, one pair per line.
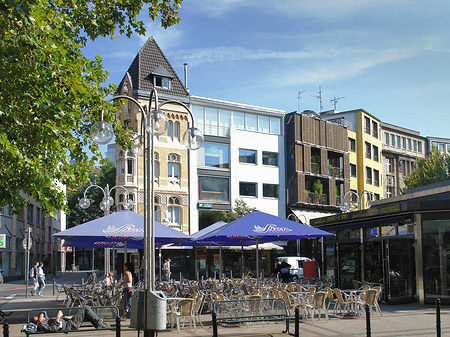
24,243
204,205
2,240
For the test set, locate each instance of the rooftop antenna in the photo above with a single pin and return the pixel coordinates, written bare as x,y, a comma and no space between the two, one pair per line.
335,100
298,100
319,97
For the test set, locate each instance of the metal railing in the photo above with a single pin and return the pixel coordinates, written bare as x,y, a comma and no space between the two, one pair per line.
314,198
315,168
337,172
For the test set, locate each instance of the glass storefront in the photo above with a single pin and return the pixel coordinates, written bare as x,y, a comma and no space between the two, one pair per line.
436,258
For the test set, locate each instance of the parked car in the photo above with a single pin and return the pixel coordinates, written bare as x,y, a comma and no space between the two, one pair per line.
296,263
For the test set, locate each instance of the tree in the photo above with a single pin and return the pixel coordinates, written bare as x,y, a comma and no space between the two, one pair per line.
433,169
239,210
51,94
105,175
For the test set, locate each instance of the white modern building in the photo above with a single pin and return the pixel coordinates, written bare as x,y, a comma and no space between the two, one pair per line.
242,158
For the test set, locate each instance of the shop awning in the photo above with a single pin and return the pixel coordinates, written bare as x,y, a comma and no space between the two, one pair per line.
387,221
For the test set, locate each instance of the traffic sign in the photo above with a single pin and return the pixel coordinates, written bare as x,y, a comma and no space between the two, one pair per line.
24,243
2,240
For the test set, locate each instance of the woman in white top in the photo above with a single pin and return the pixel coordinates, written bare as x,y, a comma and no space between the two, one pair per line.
41,279
127,284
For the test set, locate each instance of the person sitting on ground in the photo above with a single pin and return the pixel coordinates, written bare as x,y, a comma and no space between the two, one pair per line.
282,269
109,280
85,313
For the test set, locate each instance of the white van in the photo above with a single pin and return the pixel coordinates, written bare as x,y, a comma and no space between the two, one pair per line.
296,263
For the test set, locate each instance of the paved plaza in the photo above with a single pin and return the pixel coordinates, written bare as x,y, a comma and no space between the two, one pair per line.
397,320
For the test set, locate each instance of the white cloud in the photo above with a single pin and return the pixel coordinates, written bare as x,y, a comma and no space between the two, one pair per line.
167,39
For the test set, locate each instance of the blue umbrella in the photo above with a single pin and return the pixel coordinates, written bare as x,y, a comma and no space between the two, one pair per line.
262,227
116,229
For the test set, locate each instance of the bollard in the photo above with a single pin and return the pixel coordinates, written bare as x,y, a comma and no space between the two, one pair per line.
297,322
438,317
53,287
6,329
214,322
368,332
117,326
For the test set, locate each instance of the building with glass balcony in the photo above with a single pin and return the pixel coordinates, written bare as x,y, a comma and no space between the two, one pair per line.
442,144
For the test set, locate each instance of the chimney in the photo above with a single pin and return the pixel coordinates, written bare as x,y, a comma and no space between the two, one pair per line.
185,76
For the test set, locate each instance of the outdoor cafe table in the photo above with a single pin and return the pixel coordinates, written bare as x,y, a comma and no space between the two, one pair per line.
353,295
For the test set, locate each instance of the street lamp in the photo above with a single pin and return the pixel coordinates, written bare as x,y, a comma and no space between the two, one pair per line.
105,206
153,122
297,219
346,207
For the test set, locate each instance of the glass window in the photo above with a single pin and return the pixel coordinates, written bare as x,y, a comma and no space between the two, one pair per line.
169,129
374,129
214,155
376,177
353,170
392,140
386,138
30,218
211,122
38,216
224,122
419,147
389,191
198,112
263,124
404,143
389,165
176,130
270,158
162,82
397,141
414,145
275,125
368,150
247,189
409,144
129,166
367,125
251,122
270,190
247,156
352,144
239,120
174,214
156,169
441,147
375,153
173,170
368,175
213,189
121,167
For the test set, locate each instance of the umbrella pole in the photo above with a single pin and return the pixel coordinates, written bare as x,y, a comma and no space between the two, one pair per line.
220,261
125,252
242,261
160,280
257,263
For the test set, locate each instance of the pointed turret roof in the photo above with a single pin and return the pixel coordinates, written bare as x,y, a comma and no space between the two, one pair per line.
151,61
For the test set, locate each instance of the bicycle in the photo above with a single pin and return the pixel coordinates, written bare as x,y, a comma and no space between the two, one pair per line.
1,276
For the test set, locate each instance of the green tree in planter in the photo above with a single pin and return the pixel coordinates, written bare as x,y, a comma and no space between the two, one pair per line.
318,189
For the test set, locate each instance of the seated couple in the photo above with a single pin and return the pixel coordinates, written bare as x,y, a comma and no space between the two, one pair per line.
85,313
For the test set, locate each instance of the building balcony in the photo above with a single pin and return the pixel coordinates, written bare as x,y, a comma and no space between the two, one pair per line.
313,198
336,172
315,168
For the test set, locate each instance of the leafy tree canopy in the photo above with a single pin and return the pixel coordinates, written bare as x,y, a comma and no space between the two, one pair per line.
101,177
51,94
433,169
239,210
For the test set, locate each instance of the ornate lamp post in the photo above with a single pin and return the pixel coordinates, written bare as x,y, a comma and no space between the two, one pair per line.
153,122
105,206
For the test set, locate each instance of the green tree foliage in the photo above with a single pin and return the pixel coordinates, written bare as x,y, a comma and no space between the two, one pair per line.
105,175
239,210
50,93
433,169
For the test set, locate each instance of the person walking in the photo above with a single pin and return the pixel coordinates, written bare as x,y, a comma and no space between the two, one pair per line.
34,277
41,279
166,269
127,284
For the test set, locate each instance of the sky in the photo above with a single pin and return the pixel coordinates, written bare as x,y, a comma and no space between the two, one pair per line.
390,58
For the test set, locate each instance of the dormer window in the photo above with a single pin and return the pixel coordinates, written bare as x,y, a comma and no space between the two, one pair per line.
161,82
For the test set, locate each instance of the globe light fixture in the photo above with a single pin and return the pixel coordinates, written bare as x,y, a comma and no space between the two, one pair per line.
102,132
158,123
128,204
84,203
193,138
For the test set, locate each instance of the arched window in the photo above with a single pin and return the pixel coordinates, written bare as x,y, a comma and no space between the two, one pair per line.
173,167
121,197
170,130
174,210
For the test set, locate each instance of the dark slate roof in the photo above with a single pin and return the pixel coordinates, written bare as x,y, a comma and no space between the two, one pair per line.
151,61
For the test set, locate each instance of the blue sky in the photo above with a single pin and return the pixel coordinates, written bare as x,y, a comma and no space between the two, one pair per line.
391,58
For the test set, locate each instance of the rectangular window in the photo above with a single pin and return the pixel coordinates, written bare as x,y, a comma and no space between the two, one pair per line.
376,196
404,143
224,122
211,122
176,130
375,129
353,170
270,158
389,168
247,156
121,167
375,153
30,218
162,82
386,138
214,155
419,147
173,170
275,125
414,145
409,144
129,166
389,191
38,216
352,145
397,141
199,115
368,150
251,122
368,175
367,125
270,191
239,120
392,140
213,189
441,147
263,124
174,214
376,177
247,189
155,169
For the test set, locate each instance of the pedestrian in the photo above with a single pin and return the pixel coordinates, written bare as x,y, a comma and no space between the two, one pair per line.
46,324
41,279
166,270
109,280
127,284
34,277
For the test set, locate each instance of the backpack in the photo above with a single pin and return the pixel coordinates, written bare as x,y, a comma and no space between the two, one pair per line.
30,327
285,270
32,273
